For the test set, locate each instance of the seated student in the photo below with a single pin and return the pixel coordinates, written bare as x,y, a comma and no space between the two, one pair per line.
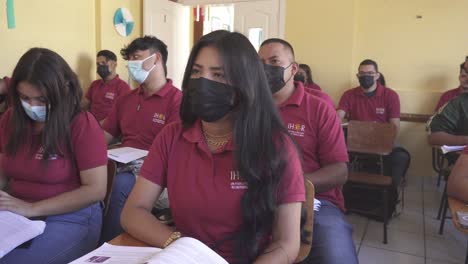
451,94
315,127
103,93
54,156
4,88
373,102
304,75
457,185
300,77
239,187
138,117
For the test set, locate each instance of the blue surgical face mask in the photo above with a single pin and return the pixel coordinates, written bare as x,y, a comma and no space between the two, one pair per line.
36,113
135,68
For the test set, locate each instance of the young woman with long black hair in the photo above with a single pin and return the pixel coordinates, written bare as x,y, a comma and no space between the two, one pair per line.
232,172
54,156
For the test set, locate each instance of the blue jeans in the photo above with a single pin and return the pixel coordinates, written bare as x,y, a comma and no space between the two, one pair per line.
121,188
65,238
333,237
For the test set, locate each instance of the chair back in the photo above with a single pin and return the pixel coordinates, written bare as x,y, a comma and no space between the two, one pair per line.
309,224
371,137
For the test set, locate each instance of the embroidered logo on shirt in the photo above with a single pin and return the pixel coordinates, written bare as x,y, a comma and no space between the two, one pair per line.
297,130
159,118
380,111
237,182
40,154
110,95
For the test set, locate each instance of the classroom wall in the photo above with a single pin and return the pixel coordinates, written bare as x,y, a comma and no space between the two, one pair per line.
109,39
74,29
419,56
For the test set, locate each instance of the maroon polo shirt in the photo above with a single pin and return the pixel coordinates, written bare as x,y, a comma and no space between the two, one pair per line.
30,180
102,95
139,118
316,128
384,105
205,190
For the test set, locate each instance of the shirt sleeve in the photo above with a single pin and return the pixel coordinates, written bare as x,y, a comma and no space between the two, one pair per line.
89,92
111,123
394,105
155,165
291,188
124,88
173,115
446,120
89,144
344,103
331,143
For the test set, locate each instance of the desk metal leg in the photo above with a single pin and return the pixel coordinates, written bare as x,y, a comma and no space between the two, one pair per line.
466,258
385,214
444,216
442,201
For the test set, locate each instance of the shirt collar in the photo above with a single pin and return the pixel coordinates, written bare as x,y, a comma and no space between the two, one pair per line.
296,97
162,92
380,91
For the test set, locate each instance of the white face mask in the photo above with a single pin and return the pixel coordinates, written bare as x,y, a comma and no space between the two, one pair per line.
135,68
36,113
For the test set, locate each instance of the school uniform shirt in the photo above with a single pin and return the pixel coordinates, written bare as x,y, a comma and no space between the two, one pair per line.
319,94
102,96
138,118
316,128
452,118
205,189
447,96
314,86
381,107
33,180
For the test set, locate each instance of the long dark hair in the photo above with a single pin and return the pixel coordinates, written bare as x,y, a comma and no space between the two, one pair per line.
308,72
59,85
259,135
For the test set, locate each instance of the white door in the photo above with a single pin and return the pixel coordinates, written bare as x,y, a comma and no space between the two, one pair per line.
259,20
169,22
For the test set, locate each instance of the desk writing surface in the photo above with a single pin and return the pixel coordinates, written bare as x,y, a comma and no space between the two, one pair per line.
125,239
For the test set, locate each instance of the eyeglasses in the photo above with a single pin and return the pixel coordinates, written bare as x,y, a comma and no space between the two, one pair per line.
366,74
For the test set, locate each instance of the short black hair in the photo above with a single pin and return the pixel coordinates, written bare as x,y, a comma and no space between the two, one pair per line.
147,42
370,62
109,55
280,41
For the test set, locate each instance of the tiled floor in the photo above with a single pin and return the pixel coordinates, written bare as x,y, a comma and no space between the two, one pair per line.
413,235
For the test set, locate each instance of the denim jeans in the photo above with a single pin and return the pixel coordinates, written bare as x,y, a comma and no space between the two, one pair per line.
121,188
65,238
332,237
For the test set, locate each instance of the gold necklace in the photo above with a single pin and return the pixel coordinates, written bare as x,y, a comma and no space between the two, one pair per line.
216,141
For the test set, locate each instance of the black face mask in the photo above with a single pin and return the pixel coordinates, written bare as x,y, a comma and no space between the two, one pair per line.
366,81
103,71
210,100
275,77
299,78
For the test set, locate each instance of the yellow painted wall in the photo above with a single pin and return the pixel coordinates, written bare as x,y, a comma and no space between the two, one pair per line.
63,26
419,57
74,29
109,39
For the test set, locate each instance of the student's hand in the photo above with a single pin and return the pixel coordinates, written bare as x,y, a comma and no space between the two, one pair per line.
15,205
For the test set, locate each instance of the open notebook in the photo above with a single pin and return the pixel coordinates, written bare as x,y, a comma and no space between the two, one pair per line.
184,250
446,149
126,154
16,229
